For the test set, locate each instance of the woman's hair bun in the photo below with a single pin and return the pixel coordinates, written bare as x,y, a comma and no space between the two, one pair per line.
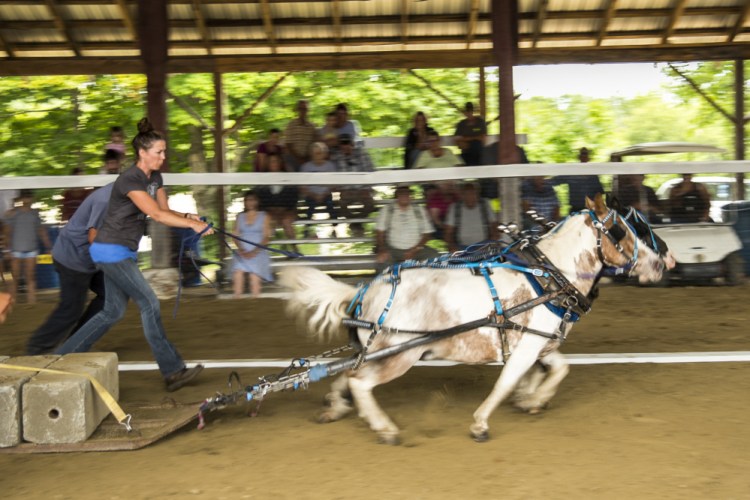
144,126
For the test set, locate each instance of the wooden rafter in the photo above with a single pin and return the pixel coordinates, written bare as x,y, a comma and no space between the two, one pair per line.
190,110
380,40
200,23
461,58
606,20
268,25
711,101
4,45
246,114
541,15
54,10
740,23
405,20
336,15
473,17
435,90
127,19
301,22
677,11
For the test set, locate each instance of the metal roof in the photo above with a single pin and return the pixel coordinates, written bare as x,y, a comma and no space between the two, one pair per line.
67,36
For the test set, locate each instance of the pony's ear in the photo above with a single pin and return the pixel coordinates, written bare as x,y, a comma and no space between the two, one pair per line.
598,205
614,202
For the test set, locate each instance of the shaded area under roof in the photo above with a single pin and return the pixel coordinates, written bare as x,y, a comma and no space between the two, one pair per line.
100,36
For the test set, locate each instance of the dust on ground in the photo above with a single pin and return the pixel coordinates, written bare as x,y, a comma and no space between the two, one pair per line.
613,431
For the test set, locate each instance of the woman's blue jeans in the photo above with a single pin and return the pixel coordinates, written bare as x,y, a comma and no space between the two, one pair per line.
123,280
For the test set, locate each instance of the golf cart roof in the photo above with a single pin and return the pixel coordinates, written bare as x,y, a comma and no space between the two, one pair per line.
654,148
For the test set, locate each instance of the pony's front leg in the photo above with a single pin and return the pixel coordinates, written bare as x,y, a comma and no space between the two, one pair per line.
557,370
338,401
526,353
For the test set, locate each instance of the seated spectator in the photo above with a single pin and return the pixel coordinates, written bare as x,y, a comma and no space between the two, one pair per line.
439,197
343,123
112,162
689,201
469,220
299,136
470,135
632,192
436,155
403,230
489,187
355,202
316,196
329,133
279,202
116,141
579,186
271,146
416,140
251,261
538,194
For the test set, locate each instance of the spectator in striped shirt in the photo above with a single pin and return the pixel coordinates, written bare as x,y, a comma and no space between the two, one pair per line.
299,136
538,194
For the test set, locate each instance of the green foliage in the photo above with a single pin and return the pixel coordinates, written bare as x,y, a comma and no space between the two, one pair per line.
51,124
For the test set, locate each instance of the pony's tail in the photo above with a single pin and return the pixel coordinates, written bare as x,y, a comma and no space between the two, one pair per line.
317,300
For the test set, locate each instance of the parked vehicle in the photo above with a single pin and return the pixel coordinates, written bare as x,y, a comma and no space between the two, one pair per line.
703,251
722,190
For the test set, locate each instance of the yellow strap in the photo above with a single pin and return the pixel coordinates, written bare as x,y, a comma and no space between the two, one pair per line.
98,387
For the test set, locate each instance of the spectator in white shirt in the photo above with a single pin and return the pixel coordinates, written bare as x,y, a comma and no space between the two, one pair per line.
403,230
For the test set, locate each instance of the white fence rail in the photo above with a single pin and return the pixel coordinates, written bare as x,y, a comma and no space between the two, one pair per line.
383,177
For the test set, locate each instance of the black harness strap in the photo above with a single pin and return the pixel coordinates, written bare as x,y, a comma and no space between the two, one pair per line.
542,299
454,330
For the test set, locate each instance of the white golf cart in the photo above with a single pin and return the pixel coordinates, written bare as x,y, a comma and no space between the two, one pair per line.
703,251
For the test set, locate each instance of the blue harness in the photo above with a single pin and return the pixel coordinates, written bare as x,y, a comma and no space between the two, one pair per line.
553,290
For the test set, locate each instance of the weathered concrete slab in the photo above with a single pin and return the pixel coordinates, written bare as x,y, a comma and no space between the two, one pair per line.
11,384
150,423
61,408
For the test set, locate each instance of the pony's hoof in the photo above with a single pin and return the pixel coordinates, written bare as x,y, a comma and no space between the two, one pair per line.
326,418
390,439
480,437
530,407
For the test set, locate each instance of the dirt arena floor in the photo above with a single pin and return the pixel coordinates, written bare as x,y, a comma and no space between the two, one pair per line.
630,431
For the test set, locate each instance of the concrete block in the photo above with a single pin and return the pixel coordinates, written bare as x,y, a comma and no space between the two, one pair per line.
11,386
65,408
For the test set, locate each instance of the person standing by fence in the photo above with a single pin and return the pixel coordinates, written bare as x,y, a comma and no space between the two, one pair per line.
23,231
